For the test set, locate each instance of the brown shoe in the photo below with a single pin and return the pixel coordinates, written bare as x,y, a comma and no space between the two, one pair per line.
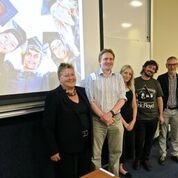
147,165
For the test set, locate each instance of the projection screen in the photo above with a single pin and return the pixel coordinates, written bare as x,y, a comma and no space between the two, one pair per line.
35,37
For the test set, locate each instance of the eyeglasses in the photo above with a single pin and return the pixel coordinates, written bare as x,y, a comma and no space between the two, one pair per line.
175,64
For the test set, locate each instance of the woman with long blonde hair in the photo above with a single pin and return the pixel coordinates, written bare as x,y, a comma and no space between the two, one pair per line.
128,112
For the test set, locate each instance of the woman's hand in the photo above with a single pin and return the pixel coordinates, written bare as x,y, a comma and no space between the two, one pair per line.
125,124
55,157
131,126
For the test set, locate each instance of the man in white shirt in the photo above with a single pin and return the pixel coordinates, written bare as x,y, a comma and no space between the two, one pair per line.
106,93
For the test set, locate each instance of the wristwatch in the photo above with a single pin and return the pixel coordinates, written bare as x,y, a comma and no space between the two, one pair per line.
112,112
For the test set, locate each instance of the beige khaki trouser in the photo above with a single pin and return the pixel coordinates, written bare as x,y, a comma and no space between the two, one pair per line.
114,134
170,118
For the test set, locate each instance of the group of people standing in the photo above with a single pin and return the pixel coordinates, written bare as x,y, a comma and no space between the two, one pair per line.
117,106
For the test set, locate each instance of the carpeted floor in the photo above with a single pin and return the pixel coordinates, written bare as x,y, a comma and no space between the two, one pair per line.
169,170
23,153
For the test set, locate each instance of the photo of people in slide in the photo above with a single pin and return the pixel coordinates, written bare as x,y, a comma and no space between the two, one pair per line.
35,37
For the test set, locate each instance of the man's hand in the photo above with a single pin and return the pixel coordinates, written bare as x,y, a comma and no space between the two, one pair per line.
107,118
55,157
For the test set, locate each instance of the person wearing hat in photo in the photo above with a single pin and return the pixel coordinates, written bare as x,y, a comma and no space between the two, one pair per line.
33,55
24,75
59,51
11,39
10,42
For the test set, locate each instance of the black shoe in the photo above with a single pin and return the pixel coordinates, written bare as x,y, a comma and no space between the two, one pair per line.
174,158
147,165
127,174
162,160
136,164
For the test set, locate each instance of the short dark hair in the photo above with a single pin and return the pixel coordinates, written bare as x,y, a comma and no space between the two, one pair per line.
105,51
150,62
34,44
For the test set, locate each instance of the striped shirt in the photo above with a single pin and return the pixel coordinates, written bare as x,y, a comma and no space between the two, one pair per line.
172,102
105,91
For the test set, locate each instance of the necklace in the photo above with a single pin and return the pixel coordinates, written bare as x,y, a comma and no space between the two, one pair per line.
73,93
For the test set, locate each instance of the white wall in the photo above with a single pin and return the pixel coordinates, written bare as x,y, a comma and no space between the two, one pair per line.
165,29
91,35
130,44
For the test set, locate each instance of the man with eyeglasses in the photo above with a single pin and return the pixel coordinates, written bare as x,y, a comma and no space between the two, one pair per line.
169,84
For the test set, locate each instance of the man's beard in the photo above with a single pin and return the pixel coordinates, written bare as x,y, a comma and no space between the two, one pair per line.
148,75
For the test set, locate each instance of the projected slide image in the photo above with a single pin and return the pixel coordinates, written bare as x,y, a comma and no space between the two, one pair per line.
35,37
7,11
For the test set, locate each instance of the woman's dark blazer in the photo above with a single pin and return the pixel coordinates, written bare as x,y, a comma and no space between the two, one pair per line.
164,82
62,124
